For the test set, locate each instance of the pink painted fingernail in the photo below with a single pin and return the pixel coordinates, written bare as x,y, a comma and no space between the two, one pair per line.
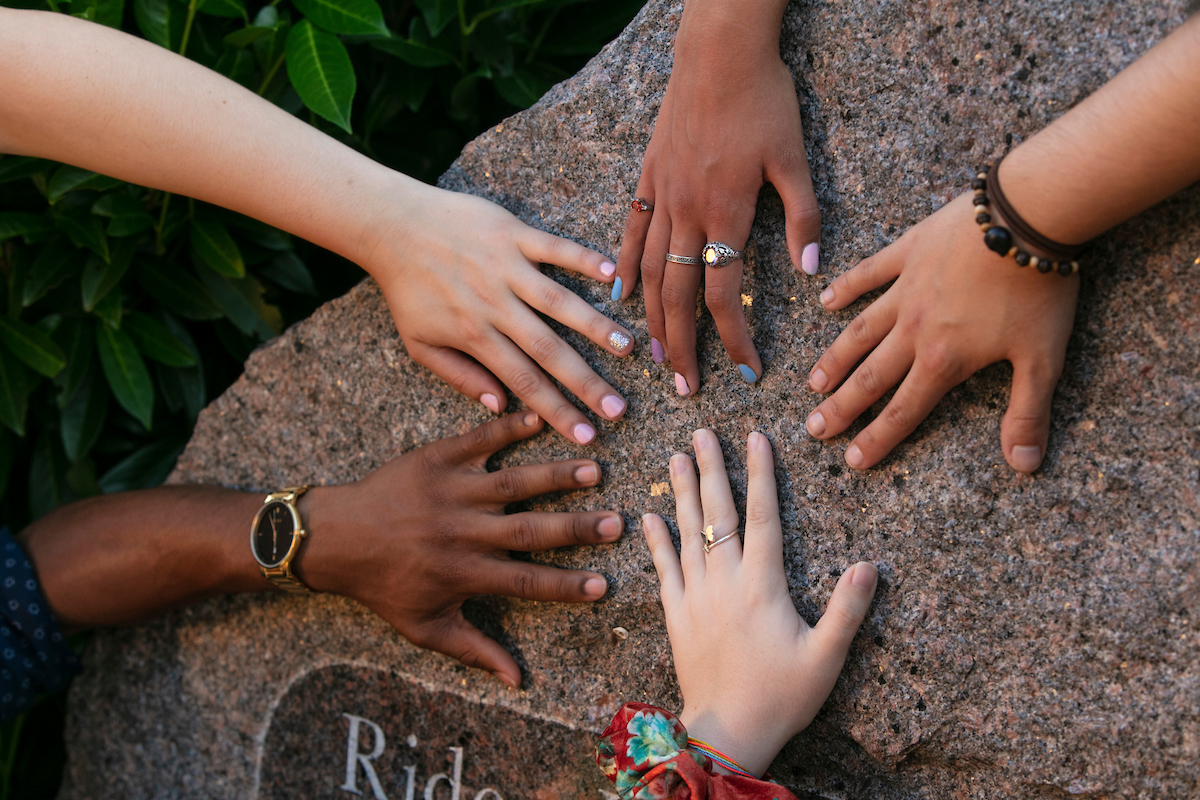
816,423
612,406
584,433
827,297
810,259
854,456
656,351
491,401
681,384
607,269
818,379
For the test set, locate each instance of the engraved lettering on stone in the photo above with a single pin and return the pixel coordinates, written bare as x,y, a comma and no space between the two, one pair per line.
410,780
355,759
455,782
483,794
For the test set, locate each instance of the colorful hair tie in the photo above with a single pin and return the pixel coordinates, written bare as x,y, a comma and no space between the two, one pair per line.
719,757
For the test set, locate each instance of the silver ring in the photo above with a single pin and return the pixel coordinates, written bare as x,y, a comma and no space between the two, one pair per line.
718,254
710,541
674,259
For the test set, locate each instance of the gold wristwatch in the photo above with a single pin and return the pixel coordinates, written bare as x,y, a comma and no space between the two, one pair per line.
275,538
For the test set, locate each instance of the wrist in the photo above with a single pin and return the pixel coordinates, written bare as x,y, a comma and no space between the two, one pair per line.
393,201
752,747
327,560
711,30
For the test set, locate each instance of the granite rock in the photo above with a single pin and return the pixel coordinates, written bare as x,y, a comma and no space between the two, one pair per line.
1033,636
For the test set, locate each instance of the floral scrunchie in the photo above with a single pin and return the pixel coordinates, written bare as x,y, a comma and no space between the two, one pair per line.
644,752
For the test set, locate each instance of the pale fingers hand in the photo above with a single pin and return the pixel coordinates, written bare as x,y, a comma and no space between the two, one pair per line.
848,606
666,560
560,303
870,274
861,336
885,367
1026,426
548,249
463,374
923,389
689,515
719,509
764,532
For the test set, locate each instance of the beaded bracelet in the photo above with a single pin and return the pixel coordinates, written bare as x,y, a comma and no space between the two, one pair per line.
1001,240
719,757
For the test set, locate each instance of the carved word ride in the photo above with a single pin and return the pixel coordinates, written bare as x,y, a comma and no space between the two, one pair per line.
357,760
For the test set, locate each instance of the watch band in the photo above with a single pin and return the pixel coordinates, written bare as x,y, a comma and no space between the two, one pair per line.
282,575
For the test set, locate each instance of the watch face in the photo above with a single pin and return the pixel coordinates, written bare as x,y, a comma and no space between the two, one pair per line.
273,536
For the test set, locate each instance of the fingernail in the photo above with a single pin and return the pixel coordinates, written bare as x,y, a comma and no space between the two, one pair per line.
587,475
646,521
507,681
681,384
609,528
530,420
616,292
584,433
612,406
810,259
747,373
1026,458
491,401
618,340
865,575
816,423
656,351
827,297
854,456
594,588
607,269
818,379
676,464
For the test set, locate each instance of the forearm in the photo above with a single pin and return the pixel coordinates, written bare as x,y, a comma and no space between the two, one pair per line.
105,101
1131,144
730,31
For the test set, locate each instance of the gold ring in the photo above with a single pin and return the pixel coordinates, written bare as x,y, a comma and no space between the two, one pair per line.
710,540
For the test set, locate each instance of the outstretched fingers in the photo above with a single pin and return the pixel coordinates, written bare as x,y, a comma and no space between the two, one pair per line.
790,175
666,560
546,248
1026,426
480,444
764,532
462,372
870,273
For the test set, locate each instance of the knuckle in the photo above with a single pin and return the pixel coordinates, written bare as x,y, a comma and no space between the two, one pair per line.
583,529
523,583
896,416
474,334
508,485
681,198
652,269
525,383
720,298
544,347
869,380
716,208
554,297
677,301
859,331
593,386
598,327
523,533
942,361
758,517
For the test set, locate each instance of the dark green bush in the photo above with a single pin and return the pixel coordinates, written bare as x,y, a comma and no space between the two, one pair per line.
124,311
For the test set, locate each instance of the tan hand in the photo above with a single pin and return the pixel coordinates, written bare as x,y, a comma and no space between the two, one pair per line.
752,672
955,308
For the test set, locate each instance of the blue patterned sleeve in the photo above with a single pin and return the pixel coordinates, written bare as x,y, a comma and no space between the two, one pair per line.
34,656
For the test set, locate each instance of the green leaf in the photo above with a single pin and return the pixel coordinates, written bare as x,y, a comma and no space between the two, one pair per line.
126,373
145,469
68,179
83,415
85,231
13,168
288,271
77,340
347,17
25,225
155,340
55,263
413,52
241,301
170,285
438,13
249,35
320,70
127,215
8,450
32,346
214,246
47,478
106,12
521,88
99,278
109,308
15,386
233,9
161,21
183,388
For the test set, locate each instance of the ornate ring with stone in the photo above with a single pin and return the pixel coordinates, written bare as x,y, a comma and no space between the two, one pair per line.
639,204
718,254
674,259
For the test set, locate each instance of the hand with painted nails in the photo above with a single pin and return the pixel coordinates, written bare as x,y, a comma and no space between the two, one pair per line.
752,672
955,308
461,278
726,126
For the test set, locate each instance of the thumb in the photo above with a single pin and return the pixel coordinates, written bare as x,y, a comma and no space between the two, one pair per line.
791,178
1026,426
459,639
848,606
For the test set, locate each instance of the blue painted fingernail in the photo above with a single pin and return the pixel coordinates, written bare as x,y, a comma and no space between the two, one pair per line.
747,373
616,292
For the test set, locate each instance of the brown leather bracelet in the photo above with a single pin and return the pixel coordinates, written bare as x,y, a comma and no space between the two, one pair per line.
1057,257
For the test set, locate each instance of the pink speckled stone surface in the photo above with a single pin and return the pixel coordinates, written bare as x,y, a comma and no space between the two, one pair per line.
1032,636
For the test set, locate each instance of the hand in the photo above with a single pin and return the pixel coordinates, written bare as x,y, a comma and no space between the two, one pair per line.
752,672
726,125
955,308
461,278
426,531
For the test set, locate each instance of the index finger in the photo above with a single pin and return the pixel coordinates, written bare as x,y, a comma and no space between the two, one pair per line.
490,437
546,248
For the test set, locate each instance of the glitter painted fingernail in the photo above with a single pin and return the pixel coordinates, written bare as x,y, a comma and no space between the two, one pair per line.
618,340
